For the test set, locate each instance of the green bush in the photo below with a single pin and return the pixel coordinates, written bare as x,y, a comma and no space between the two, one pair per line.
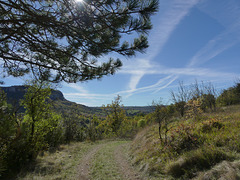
141,123
230,96
21,139
7,131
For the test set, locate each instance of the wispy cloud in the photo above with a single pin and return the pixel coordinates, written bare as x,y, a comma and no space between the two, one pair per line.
140,68
226,13
167,23
162,83
89,99
77,87
87,95
150,88
186,71
219,44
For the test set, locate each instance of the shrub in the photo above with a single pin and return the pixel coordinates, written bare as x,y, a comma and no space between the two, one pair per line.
197,160
141,123
209,125
193,108
230,96
184,138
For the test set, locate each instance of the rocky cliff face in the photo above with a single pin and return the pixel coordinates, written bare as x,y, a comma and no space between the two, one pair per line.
15,93
57,95
61,105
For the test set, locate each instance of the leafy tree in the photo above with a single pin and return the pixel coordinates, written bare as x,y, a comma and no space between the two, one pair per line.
208,101
93,131
6,121
21,139
115,115
60,40
180,98
71,127
205,93
202,94
141,123
13,147
230,96
162,115
7,131
129,127
41,123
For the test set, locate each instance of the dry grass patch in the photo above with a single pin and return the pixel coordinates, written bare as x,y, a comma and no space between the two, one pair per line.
193,145
222,171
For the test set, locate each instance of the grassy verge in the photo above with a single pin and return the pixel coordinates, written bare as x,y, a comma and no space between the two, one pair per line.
59,165
104,165
193,146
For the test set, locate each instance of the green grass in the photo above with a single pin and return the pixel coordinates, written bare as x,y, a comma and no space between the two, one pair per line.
59,165
193,146
104,166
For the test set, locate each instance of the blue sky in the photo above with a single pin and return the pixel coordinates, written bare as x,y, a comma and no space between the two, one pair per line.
190,39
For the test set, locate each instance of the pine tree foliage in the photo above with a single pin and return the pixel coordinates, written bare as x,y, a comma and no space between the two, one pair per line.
61,40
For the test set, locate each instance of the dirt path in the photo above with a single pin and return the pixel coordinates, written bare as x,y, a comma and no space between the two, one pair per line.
84,166
107,161
125,168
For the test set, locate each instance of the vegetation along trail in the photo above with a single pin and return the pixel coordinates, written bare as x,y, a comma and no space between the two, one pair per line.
110,162
122,161
101,160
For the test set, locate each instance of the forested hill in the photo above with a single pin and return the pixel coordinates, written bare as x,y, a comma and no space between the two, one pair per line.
60,104
15,93
134,110
63,106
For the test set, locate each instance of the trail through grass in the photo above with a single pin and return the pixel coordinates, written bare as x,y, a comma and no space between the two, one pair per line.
84,166
104,160
122,160
104,165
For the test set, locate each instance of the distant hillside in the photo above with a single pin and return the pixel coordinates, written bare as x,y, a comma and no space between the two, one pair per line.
61,105
65,107
134,110
15,93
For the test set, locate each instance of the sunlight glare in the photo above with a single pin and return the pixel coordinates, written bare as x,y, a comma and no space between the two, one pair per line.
79,0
